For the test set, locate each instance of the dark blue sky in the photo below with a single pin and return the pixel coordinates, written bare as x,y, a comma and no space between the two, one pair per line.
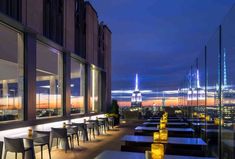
158,39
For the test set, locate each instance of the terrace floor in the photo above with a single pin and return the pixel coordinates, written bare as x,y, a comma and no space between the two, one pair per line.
88,150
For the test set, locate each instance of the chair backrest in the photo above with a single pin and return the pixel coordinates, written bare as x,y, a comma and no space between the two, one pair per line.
110,119
80,126
90,125
42,137
14,144
1,146
59,132
73,129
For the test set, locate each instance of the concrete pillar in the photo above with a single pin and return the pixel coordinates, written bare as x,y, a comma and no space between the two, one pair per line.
30,76
66,84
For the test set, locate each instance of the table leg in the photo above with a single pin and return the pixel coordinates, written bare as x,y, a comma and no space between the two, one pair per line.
31,153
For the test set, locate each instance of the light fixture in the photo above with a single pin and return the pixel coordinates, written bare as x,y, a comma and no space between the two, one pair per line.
157,151
162,125
156,136
217,121
208,118
30,132
64,125
163,134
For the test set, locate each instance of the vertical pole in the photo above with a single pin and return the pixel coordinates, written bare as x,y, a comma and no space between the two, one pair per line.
197,84
220,90
205,67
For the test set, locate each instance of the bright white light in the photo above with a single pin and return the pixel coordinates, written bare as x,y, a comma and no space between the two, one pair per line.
130,91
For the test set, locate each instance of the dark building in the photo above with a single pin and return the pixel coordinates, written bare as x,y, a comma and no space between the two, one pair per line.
51,64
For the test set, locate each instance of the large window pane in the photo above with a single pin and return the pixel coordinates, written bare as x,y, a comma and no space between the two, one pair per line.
77,86
49,81
211,132
11,74
95,98
228,86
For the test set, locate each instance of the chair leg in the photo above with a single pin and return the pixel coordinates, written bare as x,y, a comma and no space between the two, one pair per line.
49,151
83,133
77,138
41,152
23,155
93,132
51,143
71,141
90,134
5,154
67,145
16,155
57,142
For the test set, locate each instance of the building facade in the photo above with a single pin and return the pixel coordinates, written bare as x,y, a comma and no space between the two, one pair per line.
55,61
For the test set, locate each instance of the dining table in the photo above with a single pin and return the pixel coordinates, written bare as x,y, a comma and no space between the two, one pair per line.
197,120
172,145
135,155
169,124
169,120
172,132
148,140
212,134
229,148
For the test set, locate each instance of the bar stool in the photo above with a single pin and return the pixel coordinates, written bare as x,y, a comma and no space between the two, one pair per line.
43,141
15,145
61,133
1,146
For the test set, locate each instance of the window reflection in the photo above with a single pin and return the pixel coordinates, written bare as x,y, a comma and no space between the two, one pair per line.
95,97
77,87
49,81
11,74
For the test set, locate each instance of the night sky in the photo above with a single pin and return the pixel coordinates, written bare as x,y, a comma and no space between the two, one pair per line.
158,39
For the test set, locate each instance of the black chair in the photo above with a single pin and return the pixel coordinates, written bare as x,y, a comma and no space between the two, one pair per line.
111,121
1,146
43,141
62,134
73,131
102,125
82,130
91,129
15,145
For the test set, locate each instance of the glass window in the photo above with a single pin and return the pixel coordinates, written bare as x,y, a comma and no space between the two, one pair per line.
77,87
11,74
49,85
95,95
228,87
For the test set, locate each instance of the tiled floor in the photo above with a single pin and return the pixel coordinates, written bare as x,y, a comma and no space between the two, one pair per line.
88,150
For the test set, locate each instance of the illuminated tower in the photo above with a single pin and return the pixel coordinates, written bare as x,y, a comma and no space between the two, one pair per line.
225,70
136,98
